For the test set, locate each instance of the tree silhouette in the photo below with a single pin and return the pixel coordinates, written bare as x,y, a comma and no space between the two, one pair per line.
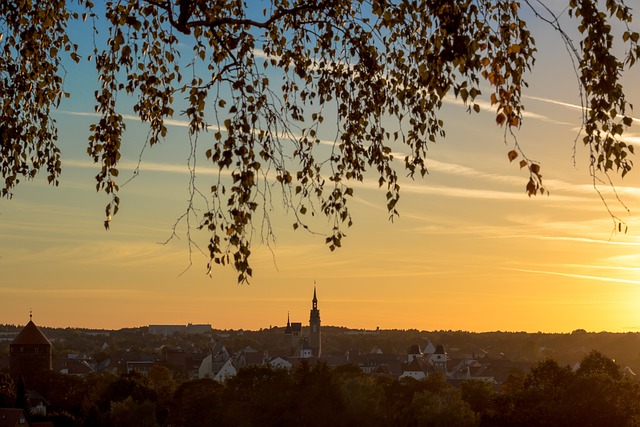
197,402
357,63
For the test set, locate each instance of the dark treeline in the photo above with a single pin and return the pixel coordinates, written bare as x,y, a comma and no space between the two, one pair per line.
595,394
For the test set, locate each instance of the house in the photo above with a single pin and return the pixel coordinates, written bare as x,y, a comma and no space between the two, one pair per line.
429,348
279,363
75,364
249,357
417,369
226,371
439,359
375,362
11,417
217,364
422,364
413,353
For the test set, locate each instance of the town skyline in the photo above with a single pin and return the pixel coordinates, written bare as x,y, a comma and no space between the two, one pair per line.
294,315
469,250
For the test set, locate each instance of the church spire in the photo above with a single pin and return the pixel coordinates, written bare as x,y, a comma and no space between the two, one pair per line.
314,325
315,299
288,330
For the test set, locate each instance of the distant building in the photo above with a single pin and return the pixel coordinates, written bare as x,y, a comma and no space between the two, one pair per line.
280,363
310,345
315,336
29,353
305,350
414,352
292,333
439,359
8,336
217,364
203,328
249,357
75,364
417,369
189,329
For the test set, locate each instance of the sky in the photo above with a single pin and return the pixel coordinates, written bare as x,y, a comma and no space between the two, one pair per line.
469,251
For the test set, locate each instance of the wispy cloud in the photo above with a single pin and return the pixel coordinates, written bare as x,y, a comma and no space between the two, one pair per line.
486,106
580,240
432,164
576,276
131,117
610,267
563,104
149,167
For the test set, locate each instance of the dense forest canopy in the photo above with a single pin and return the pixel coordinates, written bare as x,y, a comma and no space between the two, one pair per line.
313,394
261,78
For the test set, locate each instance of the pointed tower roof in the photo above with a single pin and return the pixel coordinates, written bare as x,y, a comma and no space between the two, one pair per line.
31,335
288,330
315,299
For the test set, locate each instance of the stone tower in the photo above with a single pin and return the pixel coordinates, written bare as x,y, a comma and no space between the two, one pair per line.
315,336
29,353
288,340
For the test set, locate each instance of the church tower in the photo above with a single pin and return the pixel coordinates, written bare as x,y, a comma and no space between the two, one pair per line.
315,337
288,334
29,353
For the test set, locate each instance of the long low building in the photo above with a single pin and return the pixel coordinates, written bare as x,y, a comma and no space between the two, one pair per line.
189,329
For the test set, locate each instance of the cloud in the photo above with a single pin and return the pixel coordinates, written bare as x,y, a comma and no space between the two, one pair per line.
485,105
146,166
432,164
625,260
564,104
576,276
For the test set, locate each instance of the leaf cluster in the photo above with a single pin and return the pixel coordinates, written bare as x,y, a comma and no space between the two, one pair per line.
361,63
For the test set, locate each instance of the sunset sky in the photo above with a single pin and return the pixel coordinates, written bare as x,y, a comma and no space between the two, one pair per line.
470,250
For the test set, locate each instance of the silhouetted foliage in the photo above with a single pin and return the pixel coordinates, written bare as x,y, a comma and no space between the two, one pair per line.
132,385
312,394
7,391
443,408
595,363
557,396
264,81
65,393
478,394
129,413
197,402
259,396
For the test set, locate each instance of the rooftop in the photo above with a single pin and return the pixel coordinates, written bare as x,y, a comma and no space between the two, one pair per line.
30,335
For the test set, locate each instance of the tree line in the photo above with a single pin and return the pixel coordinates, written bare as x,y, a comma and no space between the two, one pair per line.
312,394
